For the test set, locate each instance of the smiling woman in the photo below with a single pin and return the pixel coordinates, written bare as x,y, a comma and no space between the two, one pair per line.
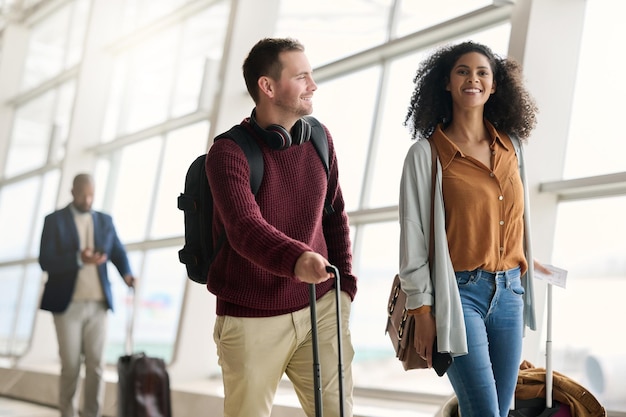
477,295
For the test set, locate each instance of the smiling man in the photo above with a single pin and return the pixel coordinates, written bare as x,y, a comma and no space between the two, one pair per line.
277,242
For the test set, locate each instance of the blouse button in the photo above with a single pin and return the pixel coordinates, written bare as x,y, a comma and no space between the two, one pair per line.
501,222
491,174
500,197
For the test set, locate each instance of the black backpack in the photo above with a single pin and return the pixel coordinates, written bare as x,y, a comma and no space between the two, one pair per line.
197,202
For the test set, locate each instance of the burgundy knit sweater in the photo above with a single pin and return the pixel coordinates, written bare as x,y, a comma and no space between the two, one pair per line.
253,273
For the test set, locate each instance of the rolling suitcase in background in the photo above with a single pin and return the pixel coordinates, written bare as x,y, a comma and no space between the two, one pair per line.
143,386
316,359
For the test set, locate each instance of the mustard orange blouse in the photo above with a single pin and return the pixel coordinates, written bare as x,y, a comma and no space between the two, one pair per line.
484,207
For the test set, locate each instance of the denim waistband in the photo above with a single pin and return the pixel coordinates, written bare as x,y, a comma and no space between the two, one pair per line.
498,275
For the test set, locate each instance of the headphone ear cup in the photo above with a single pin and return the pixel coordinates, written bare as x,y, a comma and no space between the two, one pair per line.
301,132
277,137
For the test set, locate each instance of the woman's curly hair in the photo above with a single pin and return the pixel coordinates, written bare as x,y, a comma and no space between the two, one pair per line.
510,109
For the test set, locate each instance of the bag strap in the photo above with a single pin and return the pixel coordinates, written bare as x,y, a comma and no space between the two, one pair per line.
431,244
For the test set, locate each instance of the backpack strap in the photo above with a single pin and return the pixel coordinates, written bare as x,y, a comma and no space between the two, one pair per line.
253,153
320,142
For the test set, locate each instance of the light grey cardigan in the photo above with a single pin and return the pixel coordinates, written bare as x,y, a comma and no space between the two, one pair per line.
414,212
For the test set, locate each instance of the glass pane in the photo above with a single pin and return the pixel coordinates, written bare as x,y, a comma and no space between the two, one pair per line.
418,15
46,48
78,29
30,139
163,77
132,187
595,109
158,305
201,51
41,128
141,85
394,139
46,205
114,110
138,13
496,38
182,147
101,179
332,30
62,120
27,309
334,107
10,279
375,364
590,348
19,301
148,82
17,208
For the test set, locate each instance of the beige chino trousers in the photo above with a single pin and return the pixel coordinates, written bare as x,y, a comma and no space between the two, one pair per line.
255,353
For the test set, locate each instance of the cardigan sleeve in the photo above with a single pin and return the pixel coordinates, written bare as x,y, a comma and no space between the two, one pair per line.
414,207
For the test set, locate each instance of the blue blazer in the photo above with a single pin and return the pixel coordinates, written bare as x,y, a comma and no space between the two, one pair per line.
59,257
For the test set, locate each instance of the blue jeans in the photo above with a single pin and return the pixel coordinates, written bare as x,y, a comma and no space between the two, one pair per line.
484,380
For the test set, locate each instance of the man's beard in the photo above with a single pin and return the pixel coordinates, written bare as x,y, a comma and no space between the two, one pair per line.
297,109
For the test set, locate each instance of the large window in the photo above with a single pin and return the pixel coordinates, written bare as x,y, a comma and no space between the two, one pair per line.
590,348
38,133
589,237
163,74
594,146
159,79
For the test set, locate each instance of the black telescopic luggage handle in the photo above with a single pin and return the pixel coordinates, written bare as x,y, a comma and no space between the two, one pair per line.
317,377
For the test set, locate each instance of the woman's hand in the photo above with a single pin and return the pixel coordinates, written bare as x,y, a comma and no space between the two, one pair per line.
539,267
425,332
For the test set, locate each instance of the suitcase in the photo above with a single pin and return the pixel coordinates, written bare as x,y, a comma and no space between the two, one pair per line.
143,386
317,377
